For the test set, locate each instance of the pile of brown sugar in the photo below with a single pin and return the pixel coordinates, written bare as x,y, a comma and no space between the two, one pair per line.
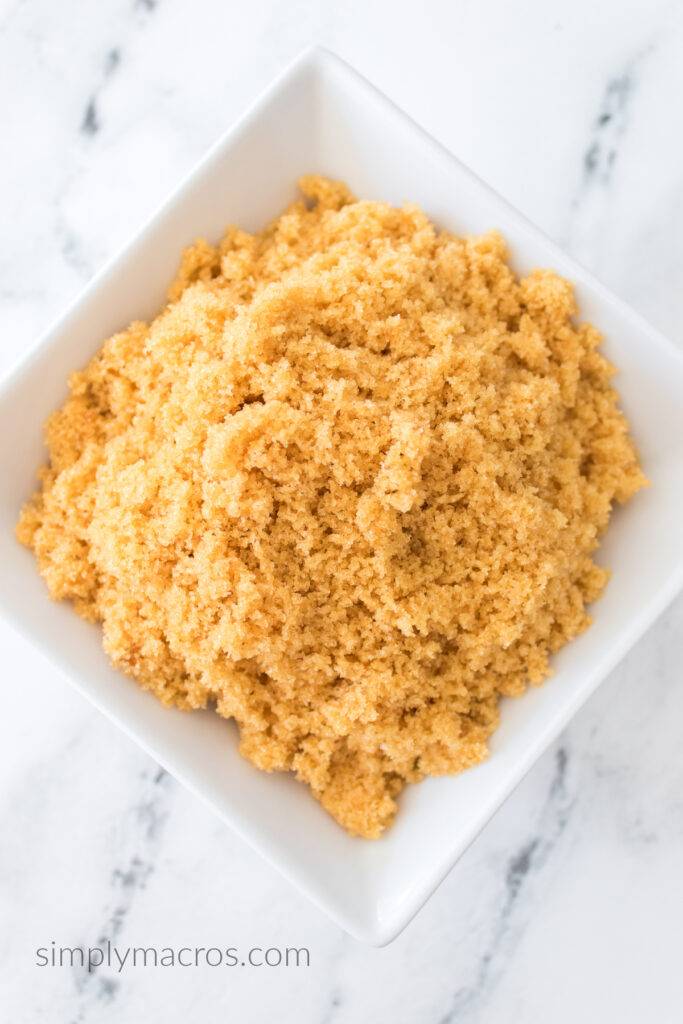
346,486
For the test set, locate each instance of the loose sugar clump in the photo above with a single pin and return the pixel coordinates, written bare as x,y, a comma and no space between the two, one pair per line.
346,487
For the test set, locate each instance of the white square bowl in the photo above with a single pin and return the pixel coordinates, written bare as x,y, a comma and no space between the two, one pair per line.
322,117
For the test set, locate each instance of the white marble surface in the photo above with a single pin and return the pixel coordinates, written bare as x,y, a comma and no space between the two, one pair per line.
570,905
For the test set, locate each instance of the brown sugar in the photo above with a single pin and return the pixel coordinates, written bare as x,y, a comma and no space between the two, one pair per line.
346,487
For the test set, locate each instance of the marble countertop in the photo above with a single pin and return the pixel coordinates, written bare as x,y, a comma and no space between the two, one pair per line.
570,904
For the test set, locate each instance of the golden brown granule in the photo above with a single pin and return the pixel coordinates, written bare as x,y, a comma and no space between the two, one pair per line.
346,486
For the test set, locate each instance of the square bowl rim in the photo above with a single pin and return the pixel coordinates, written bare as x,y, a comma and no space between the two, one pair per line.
371,930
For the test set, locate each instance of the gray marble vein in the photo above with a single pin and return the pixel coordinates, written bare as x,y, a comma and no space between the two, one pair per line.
591,204
522,868
128,877
90,125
